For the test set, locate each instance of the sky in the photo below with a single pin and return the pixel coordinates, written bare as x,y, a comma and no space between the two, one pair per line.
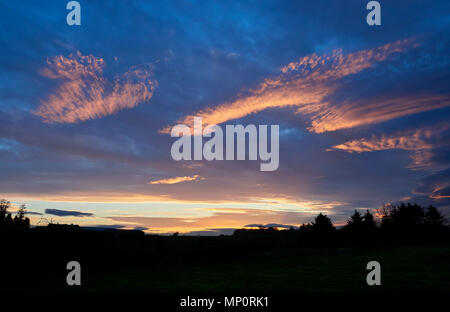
86,111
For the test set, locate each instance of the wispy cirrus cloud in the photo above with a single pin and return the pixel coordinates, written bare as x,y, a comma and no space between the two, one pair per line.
308,83
421,142
86,94
409,142
349,114
177,180
434,189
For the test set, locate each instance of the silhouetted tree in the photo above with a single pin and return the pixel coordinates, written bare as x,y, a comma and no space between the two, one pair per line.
407,215
9,219
19,219
360,229
322,224
401,216
411,223
4,206
369,222
355,223
433,217
21,212
305,227
384,213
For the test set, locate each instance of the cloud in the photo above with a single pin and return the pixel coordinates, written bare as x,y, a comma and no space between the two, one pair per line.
350,114
406,142
86,94
421,142
33,213
434,189
104,227
211,232
177,180
275,225
218,220
308,85
441,192
435,185
112,159
66,213
140,228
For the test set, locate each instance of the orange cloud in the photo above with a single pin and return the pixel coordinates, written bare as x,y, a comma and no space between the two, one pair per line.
441,191
419,141
176,180
406,142
228,219
352,114
86,94
307,83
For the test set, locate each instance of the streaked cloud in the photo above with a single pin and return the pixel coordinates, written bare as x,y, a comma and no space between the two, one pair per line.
441,191
274,225
33,213
410,142
308,83
177,180
67,213
349,114
84,92
420,141
217,220
434,189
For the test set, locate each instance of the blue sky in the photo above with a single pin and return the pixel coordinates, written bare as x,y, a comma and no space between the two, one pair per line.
363,111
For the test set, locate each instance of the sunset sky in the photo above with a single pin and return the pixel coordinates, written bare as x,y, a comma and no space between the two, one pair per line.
86,111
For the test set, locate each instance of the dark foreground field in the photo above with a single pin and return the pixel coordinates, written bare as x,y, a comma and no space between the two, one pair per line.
403,269
411,244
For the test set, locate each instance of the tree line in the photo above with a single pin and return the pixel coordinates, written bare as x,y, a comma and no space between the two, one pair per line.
6,219
401,217
404,222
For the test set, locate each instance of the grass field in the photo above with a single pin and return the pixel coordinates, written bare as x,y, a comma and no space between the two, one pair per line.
337,270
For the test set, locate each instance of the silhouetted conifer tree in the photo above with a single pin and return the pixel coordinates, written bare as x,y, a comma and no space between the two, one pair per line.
433,216
355,223
369,221
322,224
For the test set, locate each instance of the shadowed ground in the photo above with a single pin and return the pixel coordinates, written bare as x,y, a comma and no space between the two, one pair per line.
333,270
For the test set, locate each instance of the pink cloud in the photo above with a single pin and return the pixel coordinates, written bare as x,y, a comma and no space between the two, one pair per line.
420,142
228,219
306,84
84,93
